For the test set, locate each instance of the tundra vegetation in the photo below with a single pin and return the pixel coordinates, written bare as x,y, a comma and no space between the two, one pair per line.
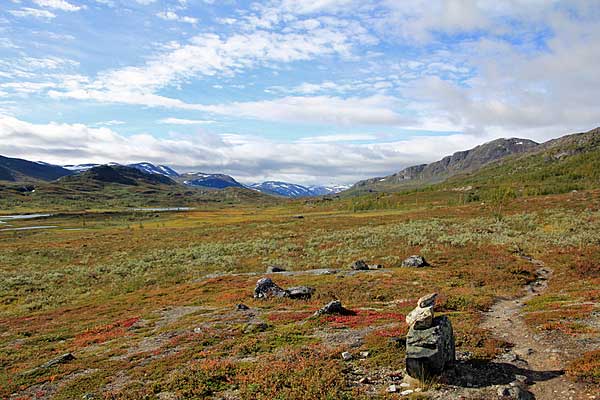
146,301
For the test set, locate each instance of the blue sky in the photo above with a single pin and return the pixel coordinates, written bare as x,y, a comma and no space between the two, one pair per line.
322,91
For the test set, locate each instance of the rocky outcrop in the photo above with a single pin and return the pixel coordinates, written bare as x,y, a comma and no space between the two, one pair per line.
334,307
300,292
359,265
266,288
415,261
430,340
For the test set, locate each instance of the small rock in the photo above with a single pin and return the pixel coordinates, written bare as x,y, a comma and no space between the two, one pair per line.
241,307
359,265
334,307
375,266
392,389
88,396
255,327
59,360
415,261
514,393
364,354
406,392
364,380
420,318
300,292
266,288
197,330
274,268
427,300
404,385
346,356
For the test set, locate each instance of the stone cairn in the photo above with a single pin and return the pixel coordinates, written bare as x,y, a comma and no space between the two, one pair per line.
429,342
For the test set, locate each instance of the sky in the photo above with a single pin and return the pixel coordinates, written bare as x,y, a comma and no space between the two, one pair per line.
304,91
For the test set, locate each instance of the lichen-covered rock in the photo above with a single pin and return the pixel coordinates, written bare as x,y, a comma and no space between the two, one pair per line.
420,318
359,265
266,288
430,351
415,261
300,292
427,300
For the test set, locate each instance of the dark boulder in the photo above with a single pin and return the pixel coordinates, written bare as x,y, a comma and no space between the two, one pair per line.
430,351
274,268
334,307
359,265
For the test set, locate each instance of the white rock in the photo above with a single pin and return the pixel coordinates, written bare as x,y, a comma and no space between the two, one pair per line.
392,389
406,392
346,356
364,354
405,384
420,318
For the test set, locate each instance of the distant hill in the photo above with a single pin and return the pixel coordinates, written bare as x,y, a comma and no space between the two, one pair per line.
19,170
571,162
212,181
458,163
117,174
285,189
155,169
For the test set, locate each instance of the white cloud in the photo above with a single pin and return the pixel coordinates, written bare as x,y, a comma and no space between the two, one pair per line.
58,5
32,12
173,16
248,158
180,121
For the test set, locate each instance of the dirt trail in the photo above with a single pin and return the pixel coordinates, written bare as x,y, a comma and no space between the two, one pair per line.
543,363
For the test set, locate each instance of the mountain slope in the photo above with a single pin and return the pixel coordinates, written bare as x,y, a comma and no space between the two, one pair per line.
568,163
458,163
113,174
19,170
155,169
293,190
211,181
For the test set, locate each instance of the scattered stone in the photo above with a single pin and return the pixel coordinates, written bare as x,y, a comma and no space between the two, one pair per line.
241,307
266,288
428,300
364,380
254,327
522,353
404,385
392,389
88,396
375,266
346,356
406,392
274,268
300,292
420,318
364,354
515,392
360,265
59,360
334,307
415,261
197,330
430,351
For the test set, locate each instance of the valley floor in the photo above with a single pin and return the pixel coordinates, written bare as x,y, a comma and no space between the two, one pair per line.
145,302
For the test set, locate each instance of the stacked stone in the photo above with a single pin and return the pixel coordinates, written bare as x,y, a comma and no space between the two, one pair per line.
429,342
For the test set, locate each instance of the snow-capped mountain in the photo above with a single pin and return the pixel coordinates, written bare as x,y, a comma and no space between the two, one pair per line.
294,190
155,169
214,181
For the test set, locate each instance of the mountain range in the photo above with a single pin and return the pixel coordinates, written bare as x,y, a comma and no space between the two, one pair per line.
566,160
